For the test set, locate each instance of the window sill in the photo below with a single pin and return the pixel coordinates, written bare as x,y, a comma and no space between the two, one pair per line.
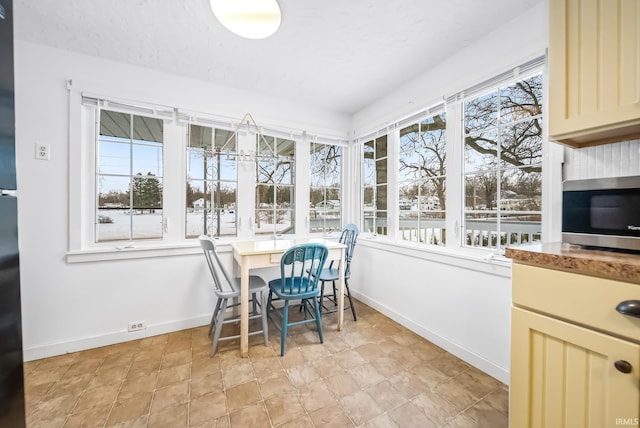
475,259
135,251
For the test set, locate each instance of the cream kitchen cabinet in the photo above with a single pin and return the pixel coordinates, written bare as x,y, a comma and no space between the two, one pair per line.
594,71
575,360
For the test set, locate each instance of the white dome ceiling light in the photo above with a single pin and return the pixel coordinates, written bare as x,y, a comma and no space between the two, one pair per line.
253,19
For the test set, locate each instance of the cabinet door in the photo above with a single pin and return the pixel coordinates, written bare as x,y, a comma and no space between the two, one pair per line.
594,83
563,375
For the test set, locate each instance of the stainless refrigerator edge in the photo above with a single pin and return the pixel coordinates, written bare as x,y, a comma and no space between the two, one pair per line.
11,361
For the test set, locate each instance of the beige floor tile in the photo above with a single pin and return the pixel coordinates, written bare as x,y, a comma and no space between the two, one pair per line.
360,407
499,399
330,417
479,383
203,385
98,397
462,421
70,385
143,368
486,416
84,366
243,395
449,364
277,384
139,422
366,375
302,422
407,385
266,367
382,421
207,408
170,396
176,358
254,416
385,395
302,374
316,395
349,359
435,407
238,374
130,409
284,408
137,385
175,374
108,376
342,383
428,374
205,367
48,410
94,417
408,415
170,417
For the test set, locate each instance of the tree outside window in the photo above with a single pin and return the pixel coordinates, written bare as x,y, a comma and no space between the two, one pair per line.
275,187
503,165
129,177
422,173
324,192
211,182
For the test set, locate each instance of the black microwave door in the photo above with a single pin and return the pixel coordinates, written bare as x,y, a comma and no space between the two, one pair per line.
603,212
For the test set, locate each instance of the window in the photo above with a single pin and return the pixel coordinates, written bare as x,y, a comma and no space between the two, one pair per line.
324,191
211,182
128,177
275,205
503,165
422,172
375,186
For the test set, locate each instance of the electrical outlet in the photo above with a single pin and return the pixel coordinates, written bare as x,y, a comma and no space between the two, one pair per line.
43,151
137,326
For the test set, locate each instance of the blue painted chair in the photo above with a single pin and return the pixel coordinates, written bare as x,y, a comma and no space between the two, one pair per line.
348,237
300,268
227,289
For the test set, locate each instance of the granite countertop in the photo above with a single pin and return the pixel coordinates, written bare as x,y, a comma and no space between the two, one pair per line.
576,259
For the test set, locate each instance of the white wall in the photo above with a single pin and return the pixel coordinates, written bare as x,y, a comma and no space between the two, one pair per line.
67,307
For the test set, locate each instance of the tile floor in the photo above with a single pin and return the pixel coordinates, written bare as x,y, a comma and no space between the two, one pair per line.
374,373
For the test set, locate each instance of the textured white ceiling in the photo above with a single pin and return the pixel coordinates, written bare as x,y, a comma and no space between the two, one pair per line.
335,54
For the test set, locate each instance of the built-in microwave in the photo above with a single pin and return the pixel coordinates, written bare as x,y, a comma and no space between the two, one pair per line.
602,212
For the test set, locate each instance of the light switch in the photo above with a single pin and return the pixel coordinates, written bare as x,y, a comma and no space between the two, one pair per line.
43,151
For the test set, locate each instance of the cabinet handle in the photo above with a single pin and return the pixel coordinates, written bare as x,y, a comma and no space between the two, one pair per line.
630,308
623,366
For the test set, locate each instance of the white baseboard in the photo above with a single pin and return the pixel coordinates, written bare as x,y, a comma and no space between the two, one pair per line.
468,356
54,349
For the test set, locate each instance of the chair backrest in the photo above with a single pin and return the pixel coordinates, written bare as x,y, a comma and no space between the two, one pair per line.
349,237
300,268
222,281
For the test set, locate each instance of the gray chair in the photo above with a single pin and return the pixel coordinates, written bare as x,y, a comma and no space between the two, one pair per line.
348,237
227,288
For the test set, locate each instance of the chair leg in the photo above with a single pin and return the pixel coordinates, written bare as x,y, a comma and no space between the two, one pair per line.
335,294
220,322
265,323
285,327
213,317
353,308
318,319
321,295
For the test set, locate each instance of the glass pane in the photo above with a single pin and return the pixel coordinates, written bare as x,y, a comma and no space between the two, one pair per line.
369,172
147,224
480,112
521,100
520,229
284,196
368,150
115,124
381,222
432,195
112,221
381,171
147,192
226,141
264,196
521,143
265,145
481,229
223,167
481,191
284,171
200,137
521,190
147,159
481,151
286,148
381,147
369,198
147,129
198,165
114,158
266,169
381,197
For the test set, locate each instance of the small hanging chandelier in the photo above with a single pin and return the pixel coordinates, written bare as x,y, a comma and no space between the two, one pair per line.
253,19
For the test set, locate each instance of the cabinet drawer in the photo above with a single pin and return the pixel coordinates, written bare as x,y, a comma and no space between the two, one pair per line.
581,299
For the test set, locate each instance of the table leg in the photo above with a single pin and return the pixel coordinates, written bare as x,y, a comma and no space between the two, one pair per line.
341,289
244,308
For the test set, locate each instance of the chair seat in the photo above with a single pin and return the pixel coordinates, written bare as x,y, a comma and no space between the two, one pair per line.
293,291
330,274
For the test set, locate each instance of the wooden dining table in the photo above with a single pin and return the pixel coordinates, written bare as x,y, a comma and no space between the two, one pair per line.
255,254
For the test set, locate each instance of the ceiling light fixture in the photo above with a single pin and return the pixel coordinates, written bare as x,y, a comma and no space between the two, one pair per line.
253,19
